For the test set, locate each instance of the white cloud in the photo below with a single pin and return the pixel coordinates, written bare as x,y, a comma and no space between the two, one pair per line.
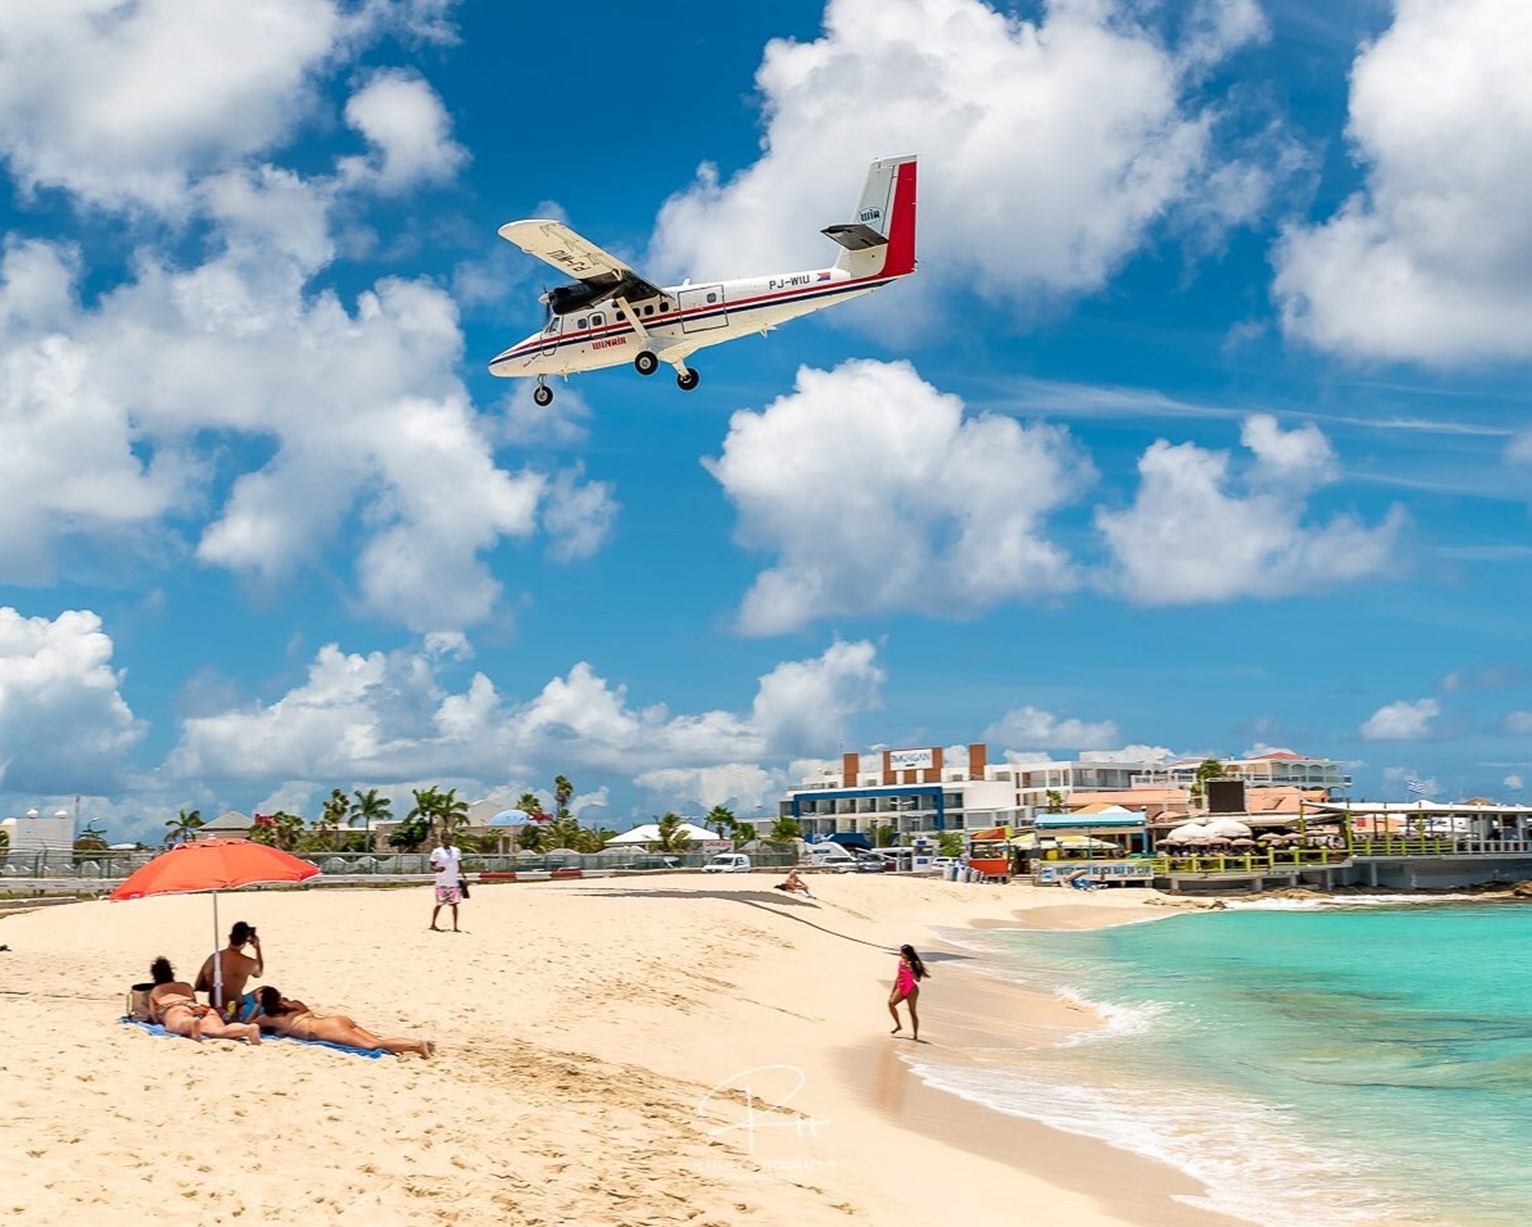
64,725
1513,782
386,717
1518,723
118,409
878,494
402,118
743,787
578,516
1047,149
129,103
1406,720
1193,534
1429,261
1032,726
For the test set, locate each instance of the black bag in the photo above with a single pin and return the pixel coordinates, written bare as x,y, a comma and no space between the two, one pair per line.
462,887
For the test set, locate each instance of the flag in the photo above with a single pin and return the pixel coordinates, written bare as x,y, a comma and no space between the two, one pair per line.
1416,785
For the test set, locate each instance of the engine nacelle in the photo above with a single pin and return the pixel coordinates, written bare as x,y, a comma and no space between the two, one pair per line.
563,299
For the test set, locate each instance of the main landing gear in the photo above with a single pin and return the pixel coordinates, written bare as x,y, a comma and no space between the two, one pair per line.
542,395
646,363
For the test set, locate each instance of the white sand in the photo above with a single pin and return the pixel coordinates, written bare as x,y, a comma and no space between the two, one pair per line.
610,1052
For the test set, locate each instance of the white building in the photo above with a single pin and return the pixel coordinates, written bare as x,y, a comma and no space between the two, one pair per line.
35,834
934,789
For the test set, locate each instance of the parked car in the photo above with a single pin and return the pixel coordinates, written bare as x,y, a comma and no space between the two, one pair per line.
940,864
840,862
874,862
656,862
728,862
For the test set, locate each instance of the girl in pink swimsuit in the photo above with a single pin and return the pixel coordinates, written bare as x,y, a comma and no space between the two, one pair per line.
907,989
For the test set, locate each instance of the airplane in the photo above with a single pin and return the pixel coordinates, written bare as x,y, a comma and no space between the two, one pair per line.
610,315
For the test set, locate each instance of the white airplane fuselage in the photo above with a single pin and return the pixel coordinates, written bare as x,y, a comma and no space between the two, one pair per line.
690,316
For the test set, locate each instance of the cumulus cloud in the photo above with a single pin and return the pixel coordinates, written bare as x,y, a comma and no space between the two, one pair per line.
1406,720
1047,148
1429,261
128,103
1488,677
64,725
365,433
410,132
743,787
387,717
1032,726
1513,782
877,493
1198,532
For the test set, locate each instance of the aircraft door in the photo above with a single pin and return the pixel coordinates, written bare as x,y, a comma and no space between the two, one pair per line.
551,334
703,308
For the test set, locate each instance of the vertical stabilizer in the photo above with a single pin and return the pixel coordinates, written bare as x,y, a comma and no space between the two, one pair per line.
880,238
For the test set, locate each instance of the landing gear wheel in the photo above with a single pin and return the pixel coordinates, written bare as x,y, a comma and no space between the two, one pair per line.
542,395
687,380
646,363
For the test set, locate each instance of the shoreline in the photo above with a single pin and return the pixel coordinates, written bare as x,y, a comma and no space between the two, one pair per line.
617,1038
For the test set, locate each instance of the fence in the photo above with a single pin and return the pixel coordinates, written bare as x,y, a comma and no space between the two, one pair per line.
113,866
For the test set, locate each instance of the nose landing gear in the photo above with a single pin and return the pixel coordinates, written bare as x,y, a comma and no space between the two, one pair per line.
687,379
542,395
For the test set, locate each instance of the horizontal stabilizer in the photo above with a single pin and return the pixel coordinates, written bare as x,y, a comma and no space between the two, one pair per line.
854,236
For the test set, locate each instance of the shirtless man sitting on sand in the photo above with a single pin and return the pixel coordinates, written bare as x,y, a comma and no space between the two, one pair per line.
282,1016
174,1005
237,967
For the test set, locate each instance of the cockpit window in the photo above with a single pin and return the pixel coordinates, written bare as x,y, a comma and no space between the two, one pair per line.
553,324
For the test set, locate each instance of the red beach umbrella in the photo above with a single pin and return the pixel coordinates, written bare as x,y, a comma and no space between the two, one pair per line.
213,865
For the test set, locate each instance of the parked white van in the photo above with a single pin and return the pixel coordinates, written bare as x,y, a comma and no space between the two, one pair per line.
728,862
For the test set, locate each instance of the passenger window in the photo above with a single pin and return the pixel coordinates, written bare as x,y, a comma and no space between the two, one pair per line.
712,298
580,323
595,321
664,307
649,309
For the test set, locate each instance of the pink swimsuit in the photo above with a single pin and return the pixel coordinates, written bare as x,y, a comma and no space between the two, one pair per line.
905,984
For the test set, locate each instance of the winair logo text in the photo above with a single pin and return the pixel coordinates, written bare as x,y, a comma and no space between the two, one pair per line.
609,342
870,215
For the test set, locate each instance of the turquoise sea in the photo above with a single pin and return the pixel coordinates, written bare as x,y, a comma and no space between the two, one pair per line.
1329,1065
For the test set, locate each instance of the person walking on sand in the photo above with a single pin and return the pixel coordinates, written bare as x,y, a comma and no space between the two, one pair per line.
235,968
907,989
447,860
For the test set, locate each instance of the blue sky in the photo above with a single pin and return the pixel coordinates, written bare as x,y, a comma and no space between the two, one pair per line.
1203,425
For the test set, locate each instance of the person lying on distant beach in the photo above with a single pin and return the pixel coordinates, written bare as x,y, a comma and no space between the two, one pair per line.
283,1016
907,989
794,885
173,1004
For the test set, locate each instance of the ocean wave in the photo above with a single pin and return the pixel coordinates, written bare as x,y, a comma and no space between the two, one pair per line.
1347,901
1245,1154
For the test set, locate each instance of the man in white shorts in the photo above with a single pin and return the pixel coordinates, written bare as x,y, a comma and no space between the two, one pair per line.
447,860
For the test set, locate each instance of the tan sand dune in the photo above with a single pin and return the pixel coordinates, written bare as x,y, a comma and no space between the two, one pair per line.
658,1050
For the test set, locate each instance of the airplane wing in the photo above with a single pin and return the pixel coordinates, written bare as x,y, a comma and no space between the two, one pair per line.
556,244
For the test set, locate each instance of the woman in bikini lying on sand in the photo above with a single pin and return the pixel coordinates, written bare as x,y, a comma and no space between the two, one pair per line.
174,1005
281,1016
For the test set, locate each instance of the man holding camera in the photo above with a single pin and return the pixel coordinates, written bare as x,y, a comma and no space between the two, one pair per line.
225,988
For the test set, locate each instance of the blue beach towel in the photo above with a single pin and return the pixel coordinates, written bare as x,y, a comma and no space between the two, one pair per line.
370,1053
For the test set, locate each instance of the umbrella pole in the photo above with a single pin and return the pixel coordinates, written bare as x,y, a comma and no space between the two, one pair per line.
217,962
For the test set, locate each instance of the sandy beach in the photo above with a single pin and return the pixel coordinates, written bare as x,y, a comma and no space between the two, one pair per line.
664,1049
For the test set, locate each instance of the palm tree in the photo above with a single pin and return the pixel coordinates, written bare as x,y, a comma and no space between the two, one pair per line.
721,819
182,827
670,836
451,814
529,804
1055,801
331,815
562,791
563,832
371,807
884,836
1207,769
91,839
785,830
